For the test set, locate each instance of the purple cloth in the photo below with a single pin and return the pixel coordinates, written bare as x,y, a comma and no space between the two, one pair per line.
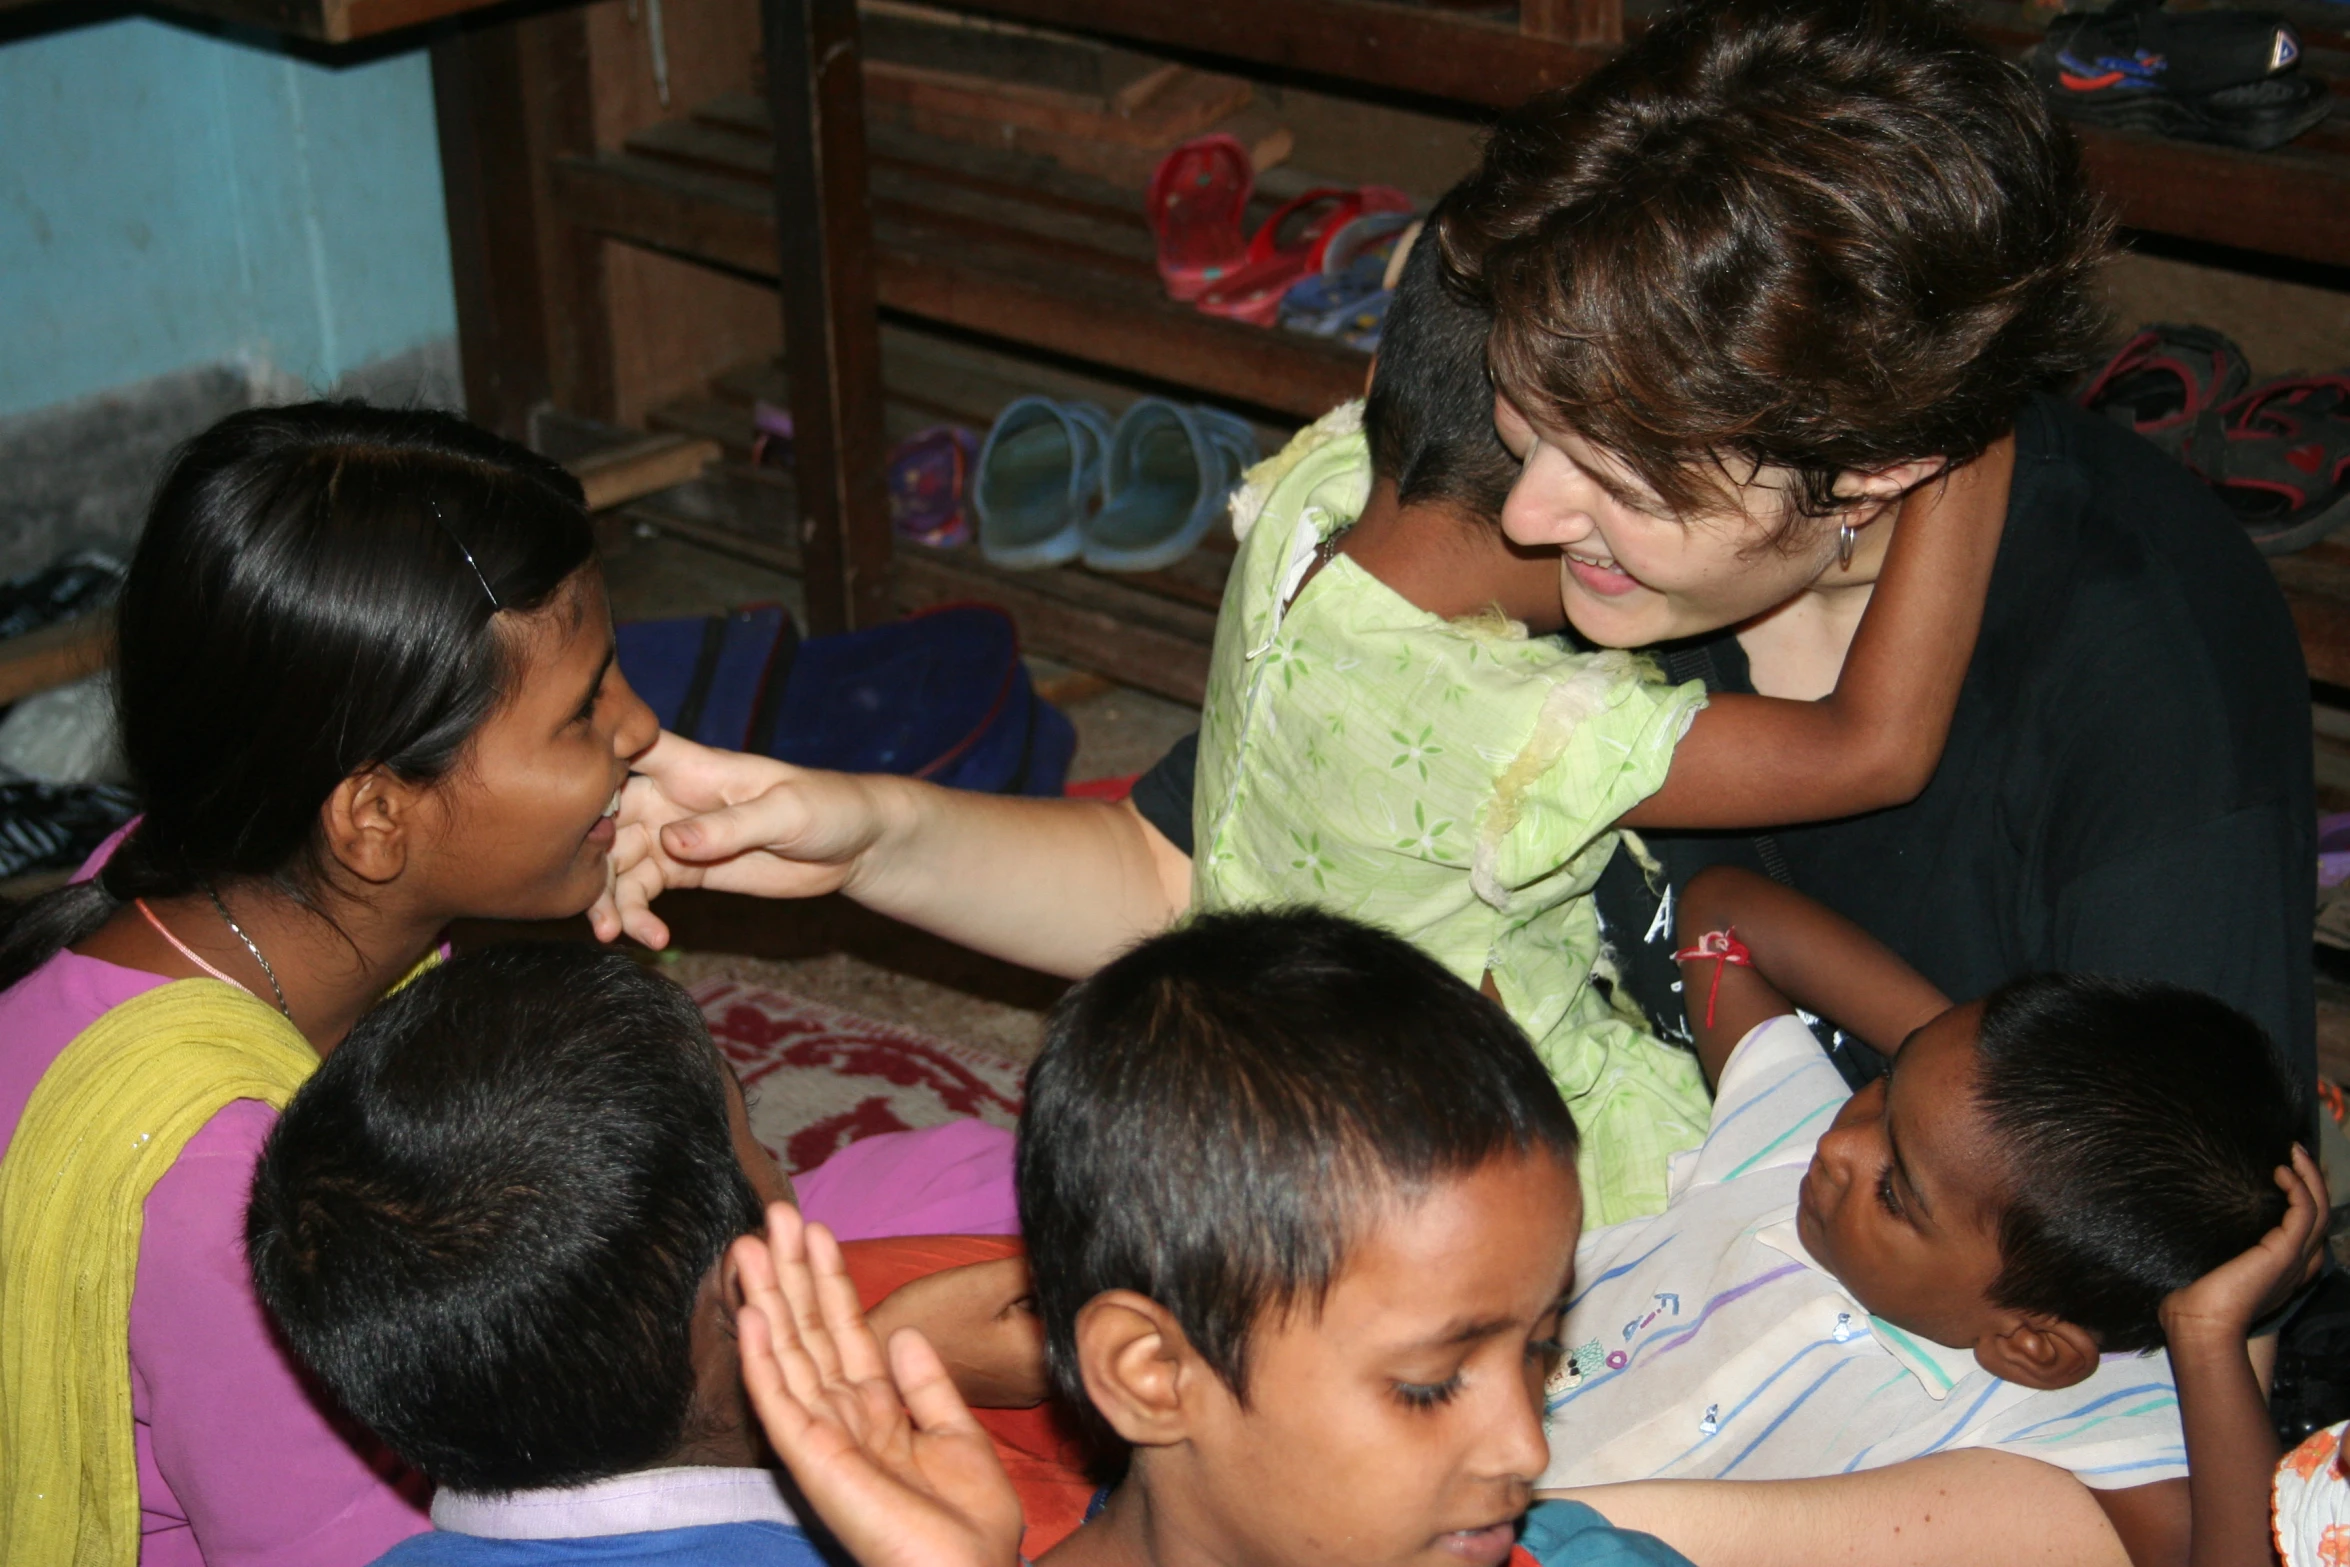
236,1449
233,1449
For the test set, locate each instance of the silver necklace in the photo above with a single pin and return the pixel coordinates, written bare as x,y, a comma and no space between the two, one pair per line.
238,931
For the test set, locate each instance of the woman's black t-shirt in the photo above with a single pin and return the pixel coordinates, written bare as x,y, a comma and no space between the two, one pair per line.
2126,788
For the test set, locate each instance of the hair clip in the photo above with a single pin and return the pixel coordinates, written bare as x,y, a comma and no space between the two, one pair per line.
443,523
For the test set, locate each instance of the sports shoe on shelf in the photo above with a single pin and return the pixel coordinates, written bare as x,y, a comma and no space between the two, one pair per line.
2231,77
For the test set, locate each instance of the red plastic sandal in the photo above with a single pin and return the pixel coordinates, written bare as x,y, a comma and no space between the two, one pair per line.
1197,198
1253,293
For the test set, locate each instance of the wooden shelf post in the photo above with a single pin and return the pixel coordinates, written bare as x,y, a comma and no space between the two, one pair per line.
509,95
831,335
1573,21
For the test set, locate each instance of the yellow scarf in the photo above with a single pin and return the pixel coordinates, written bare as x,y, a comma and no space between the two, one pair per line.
105,1122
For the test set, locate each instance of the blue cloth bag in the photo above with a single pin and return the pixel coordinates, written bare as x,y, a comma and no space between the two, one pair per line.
942,695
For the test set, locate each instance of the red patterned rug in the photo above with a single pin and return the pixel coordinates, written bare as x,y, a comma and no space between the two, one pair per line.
819,1077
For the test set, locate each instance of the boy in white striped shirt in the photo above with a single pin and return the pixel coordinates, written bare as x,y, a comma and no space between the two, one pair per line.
1969,1253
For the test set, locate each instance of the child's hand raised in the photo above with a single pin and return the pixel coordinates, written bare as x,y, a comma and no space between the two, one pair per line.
2223,1304
889,1456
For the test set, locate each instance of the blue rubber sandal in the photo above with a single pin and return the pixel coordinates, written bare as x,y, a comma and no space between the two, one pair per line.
1037,477
1170,471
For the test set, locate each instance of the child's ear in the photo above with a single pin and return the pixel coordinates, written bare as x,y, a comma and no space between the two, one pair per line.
2038,1352
366,822
1885,484
1137,1365
729,1279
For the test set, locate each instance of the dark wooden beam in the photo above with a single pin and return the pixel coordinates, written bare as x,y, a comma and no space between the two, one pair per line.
2317,588
2292,201
1414,50
1573,21
823,236
509,96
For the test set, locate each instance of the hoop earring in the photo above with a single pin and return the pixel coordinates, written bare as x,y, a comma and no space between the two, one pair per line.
1846,536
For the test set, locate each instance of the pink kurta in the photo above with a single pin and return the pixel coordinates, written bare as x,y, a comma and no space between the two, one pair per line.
242,1463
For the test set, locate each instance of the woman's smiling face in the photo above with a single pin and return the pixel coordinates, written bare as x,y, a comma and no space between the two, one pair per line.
524,824
1631,572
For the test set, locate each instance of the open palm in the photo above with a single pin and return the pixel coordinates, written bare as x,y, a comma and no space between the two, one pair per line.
885,1450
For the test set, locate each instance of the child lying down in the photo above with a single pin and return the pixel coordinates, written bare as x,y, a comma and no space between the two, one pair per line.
1973,1252
904,1489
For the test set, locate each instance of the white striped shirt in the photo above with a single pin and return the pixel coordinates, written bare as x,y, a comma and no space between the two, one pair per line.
1704,1343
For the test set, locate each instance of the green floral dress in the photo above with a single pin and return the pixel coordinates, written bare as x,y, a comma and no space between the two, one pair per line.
1452,781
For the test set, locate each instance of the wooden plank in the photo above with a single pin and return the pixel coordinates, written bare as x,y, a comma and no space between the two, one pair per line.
940,269
822,234
1134,329
325,21
2317,589
1116,234
931,377
773,548
625,473
1573,21
1413,50
704,217
2288,202
1113,630
55,655
1186,103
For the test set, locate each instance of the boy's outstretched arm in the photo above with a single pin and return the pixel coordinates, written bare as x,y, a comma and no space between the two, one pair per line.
1757,761
1803,954
888,1454
2232,1448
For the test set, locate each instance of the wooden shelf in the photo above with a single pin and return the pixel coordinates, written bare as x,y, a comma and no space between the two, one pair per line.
992,243
1078,616
2294,201
2317,589
1152,630
1016,251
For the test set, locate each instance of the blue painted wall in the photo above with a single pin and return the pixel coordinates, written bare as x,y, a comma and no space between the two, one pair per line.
170,199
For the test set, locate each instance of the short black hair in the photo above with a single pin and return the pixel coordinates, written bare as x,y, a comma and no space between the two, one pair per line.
2143,1125
1216,1114
1429,416
484,1222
